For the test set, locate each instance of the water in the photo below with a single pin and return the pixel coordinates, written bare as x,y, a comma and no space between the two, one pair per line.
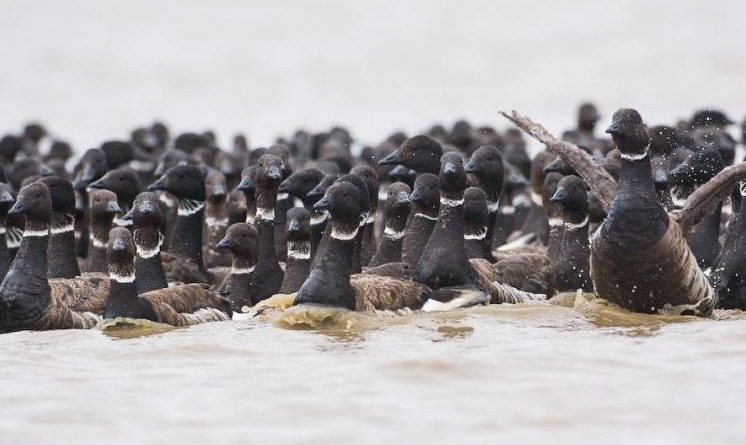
524,373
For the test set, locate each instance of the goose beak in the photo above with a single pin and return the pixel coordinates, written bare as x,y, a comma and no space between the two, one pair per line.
554,166
471,167
245,185
293,225
17,208
45,171
614,129
159,184
402,199
225,243
113,207
449,168
85,179
559,195
274,172
391,159
118,245
324,203
218,191
416,196
100,184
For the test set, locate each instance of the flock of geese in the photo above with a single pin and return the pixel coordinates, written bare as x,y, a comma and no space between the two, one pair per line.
180,231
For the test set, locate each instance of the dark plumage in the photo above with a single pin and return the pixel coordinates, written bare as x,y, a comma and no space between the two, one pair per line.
28,300
298,262
103,207
241,241
422,216
182,305
396,213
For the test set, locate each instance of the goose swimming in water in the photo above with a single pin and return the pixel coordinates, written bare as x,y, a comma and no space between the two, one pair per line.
183,305
103,207
396,210
639,257
28,300
241,241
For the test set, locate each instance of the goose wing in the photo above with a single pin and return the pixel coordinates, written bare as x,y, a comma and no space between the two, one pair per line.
375,292
188,304
86,293
600,181
708,195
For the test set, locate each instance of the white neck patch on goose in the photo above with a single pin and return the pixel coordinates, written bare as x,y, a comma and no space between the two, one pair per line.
122,278
121,222
344,236
556,222
581,224
100,244
164,198
63,229
213,221
316,220
35,233
188,207
3,230
242,270
492,206
249,219
393,234
299,250
265,214
451,202
536,199
637,157
282,196
422,215
478,234
14,238
742,188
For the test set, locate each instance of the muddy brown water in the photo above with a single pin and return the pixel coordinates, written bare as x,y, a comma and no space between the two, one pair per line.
523,373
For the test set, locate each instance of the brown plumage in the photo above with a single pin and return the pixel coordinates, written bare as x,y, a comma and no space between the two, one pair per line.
397,270
528,272
86,293
188,304
375,292
682,283
180,270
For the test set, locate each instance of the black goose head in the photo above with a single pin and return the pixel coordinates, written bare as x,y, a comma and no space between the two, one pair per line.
718,139
120,251
317,192
7,198
284,154
255,154
572,194
241,241
146,212
475,207
452,176
121,181
26,168
486,164
60,150
300,183
182,181
62,194
298,224
420,153
170,158
343,202
397,200
548,190
118,153
191,142
697,169
248,180
91,167
709,118
34,132
34,203
270,173
103,202
362,187
10,146
588,116
461,134
629,133
370,177
425,197
559,166
216,186
537,174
